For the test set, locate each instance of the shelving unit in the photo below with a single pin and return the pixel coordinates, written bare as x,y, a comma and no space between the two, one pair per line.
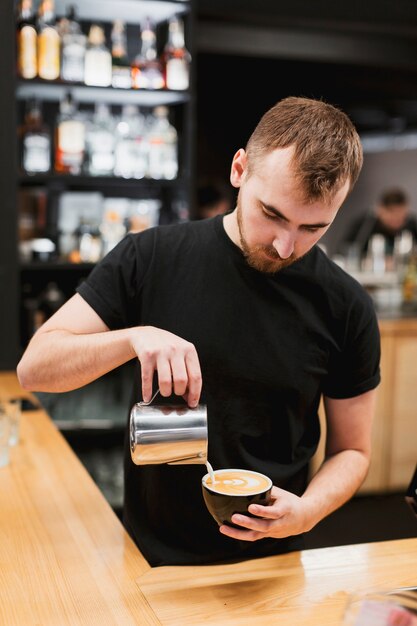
93,417
130,11
90,182
51,266
14,92
55,91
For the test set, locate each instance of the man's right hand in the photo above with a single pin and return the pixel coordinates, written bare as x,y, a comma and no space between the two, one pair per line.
175,360
75,347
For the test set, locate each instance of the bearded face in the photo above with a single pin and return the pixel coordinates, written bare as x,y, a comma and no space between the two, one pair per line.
274,223
261,257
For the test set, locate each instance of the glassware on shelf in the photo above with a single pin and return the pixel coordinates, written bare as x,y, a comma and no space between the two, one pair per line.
73,48
49,42
35,140
176,57
27,64
89,242
377,247
146,67
112,230
121,73
101,142
43,249
98,61
163,146
74,207
403,248
70,138
131,144
143,214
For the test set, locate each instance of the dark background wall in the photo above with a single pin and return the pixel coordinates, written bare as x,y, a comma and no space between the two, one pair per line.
361,57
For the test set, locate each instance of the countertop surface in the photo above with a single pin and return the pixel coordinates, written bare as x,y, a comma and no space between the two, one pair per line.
66,559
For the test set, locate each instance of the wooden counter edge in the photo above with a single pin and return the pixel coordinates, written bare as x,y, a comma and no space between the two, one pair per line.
44,463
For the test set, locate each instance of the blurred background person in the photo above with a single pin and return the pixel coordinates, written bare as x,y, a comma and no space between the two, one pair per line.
214,197
392,217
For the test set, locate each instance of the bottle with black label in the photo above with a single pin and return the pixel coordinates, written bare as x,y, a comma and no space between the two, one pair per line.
121,75
35,139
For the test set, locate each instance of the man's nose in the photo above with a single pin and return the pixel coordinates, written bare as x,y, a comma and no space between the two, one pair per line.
284,244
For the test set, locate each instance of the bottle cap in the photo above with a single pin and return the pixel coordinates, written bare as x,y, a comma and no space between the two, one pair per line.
96,35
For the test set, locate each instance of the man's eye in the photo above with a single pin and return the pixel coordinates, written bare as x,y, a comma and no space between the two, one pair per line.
270,216
311,229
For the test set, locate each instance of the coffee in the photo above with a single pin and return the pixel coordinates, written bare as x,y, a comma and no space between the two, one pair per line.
237,482
233,491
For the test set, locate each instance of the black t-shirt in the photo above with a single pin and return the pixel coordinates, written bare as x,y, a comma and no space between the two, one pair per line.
269,346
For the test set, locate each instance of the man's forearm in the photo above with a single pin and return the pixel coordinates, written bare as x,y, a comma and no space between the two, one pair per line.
59,360
337,480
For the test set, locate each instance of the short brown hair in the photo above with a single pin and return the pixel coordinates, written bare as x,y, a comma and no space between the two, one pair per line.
328,150
393,197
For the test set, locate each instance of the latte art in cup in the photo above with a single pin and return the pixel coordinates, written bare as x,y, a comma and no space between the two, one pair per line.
230,491
237,482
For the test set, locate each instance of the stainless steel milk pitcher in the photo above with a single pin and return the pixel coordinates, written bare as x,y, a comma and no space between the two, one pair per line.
172,434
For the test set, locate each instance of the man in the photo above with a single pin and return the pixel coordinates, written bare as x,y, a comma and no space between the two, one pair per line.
247,311
391,217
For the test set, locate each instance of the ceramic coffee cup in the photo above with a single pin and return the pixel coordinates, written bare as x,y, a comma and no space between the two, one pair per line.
233,491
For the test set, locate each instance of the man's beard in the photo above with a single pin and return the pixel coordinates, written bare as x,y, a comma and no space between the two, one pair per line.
262,258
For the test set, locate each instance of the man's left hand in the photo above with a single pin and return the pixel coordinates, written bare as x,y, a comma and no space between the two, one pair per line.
286,515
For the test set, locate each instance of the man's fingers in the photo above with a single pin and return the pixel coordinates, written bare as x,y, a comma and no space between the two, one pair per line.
147,368
177,364
252,523
194,378
270,512
179,375
164,376
243,535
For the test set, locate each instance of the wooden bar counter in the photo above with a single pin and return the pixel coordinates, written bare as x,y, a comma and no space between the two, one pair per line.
66,559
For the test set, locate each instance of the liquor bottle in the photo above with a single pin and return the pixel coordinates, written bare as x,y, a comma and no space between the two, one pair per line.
70,138
73,48
146,67
176,57
163,146
35,139
48,42
131,144
89,241
101,142
121,75
27,64
112,230
98,62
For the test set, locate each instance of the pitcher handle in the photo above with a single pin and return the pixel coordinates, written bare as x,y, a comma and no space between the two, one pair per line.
150,401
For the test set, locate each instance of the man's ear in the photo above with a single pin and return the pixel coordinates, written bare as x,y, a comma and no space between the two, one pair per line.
238,169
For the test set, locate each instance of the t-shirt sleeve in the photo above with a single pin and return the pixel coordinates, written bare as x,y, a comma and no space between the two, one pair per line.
113,287
354,368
